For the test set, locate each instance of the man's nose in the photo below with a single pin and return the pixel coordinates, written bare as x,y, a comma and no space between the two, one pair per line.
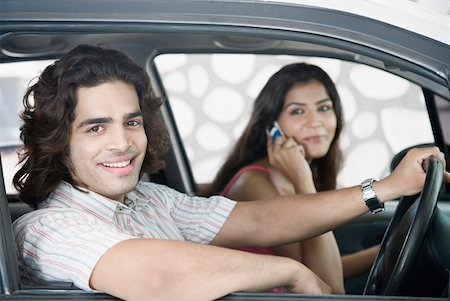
119,139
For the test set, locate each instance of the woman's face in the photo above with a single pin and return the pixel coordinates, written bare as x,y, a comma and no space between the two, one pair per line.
308,117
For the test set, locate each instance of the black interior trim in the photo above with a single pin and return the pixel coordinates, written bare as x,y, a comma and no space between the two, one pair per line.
9,266
430,102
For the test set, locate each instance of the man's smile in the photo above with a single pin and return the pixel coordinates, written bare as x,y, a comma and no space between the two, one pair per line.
117,164
121,168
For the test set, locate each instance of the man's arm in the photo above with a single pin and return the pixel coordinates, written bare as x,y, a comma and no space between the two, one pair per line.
294,218
150,269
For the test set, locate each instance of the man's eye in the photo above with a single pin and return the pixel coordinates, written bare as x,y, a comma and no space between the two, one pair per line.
95,129
134,123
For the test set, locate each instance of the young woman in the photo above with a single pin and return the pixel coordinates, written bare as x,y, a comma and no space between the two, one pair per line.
306,158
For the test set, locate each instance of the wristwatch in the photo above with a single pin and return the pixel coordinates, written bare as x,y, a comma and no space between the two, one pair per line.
370,197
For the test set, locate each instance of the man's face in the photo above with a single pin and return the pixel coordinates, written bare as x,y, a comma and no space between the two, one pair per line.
108,141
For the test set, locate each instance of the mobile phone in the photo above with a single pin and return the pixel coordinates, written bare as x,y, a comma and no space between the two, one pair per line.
275,131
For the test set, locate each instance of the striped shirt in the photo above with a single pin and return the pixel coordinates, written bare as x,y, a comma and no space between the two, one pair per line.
60,243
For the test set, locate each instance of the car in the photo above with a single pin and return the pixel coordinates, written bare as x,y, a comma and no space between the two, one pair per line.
208,59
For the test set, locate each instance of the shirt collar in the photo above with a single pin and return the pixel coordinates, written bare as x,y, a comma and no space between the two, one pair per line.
80,198
135,199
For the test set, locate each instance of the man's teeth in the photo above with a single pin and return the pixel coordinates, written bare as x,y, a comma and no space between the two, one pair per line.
117,164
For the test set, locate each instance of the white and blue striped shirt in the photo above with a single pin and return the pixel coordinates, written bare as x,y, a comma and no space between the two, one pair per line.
62,241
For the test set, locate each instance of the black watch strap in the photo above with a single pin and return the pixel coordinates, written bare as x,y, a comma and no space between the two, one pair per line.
370,198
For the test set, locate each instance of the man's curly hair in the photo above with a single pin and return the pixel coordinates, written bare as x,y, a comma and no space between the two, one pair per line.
50,110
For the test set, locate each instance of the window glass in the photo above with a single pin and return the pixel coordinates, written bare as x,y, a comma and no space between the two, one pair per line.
14,80
211,97
443,110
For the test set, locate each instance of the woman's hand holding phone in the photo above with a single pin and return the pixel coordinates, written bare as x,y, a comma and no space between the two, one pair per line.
275,131
286,155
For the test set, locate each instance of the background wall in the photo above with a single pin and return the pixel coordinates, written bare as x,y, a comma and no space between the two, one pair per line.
212,96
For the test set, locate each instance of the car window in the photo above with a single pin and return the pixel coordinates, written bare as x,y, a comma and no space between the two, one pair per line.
14,79
442,107
211,98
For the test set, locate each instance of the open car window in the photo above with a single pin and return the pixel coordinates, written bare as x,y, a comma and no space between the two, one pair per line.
14,80
211,96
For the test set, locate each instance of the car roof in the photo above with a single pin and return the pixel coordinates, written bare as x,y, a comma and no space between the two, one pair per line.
49,28
405,14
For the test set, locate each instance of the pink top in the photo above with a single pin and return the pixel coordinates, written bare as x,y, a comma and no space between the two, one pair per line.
248,168
257,250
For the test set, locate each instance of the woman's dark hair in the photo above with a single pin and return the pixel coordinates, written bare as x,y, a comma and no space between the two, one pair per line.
252,145
49,114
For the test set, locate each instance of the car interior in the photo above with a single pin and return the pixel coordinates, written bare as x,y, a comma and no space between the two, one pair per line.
413,260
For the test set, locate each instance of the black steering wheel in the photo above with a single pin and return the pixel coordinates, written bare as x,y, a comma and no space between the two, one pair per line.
404,236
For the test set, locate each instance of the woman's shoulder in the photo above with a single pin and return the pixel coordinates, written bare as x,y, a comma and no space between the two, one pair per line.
257,166
251,182
259,169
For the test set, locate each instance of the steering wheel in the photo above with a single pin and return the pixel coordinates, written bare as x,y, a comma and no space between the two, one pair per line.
404,236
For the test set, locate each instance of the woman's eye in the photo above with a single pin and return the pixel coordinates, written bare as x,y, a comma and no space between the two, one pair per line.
325,108
297,111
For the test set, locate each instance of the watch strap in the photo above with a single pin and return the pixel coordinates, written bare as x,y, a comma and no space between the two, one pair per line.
370,198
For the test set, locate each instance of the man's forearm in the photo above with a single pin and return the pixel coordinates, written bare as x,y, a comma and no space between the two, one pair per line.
165,270
289,219
294,218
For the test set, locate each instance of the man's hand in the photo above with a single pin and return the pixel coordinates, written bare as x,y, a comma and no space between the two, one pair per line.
306,282
408,177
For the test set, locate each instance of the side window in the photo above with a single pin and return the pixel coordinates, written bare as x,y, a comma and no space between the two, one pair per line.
442,106
212,96
14,80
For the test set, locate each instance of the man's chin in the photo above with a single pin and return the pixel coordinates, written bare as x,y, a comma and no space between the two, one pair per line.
117,189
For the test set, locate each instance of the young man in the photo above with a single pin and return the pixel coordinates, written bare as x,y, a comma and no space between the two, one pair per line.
92,128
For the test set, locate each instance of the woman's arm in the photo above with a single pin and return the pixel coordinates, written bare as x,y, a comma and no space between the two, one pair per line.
358,262
321,253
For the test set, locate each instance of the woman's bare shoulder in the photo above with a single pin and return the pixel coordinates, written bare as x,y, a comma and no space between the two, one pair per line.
253,184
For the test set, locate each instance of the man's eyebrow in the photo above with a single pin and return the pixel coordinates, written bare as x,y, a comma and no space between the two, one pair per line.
108,119
95,121
133,115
